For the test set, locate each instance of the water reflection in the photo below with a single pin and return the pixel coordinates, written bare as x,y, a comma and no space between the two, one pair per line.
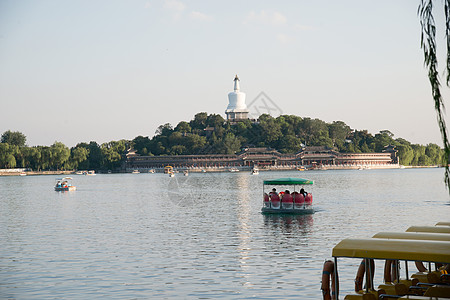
197,236
244,233
290,223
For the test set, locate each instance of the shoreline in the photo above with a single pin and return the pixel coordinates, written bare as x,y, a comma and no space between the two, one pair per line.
15,172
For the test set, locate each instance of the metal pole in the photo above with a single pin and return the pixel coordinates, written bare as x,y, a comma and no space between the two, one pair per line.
369,269
264,204
406,270
366,262
336,280
397,267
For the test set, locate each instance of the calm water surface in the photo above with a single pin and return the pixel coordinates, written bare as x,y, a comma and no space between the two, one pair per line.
197,237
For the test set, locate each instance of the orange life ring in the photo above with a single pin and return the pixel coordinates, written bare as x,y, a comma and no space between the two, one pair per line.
327,274
360,274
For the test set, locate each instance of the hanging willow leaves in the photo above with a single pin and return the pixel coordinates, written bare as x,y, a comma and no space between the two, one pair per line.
428,44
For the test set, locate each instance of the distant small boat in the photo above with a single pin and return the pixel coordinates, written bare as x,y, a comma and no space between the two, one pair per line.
255,171
203,171
171,174
186,173
135,172
64,184
79,172
151,171
234,170
90,173
23,174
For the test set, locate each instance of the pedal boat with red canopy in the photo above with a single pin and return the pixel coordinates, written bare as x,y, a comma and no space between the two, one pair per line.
293,202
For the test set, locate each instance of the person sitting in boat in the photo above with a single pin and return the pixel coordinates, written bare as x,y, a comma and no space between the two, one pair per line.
64,184
286,192
274,195
58,184
274,191
302,191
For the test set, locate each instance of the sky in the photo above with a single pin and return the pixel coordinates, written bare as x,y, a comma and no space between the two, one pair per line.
81,71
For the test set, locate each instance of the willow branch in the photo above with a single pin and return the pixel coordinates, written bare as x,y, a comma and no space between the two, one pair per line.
428,44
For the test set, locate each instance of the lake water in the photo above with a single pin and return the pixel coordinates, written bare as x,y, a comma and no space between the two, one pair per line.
140,236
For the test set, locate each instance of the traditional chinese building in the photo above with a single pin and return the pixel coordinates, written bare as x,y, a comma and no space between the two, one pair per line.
310,157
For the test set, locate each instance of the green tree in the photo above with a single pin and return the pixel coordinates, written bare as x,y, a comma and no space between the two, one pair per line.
183,127
230,144
290,144
14,138
95,156
195,143
315,133
177,150
43,160
32,157
383,139
199,122
338,132
141,144
164,130
405,154
419,155
113,154
7,152
214,120
434,152
59,154
176,138
78,155
270,129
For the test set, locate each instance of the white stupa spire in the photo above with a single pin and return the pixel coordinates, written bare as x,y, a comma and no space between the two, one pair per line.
237,109
236,83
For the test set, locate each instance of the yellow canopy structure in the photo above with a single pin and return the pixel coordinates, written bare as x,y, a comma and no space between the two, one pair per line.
413,236
443,224
435,229
420,250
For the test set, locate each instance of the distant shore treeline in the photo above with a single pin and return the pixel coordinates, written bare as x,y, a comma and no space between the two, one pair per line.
211,134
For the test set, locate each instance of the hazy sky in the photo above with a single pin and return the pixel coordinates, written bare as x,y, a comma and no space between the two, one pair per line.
76,71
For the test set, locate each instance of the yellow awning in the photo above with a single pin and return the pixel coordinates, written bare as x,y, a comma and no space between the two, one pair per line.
435,229
420,250
413,236
443,224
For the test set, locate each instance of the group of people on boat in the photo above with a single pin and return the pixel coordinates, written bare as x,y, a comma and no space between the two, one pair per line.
63,184
287,200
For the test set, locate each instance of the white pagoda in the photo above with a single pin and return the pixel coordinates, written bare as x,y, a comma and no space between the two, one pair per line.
237,109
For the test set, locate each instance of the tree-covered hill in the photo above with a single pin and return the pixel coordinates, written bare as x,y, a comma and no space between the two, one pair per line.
211,134
207,134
